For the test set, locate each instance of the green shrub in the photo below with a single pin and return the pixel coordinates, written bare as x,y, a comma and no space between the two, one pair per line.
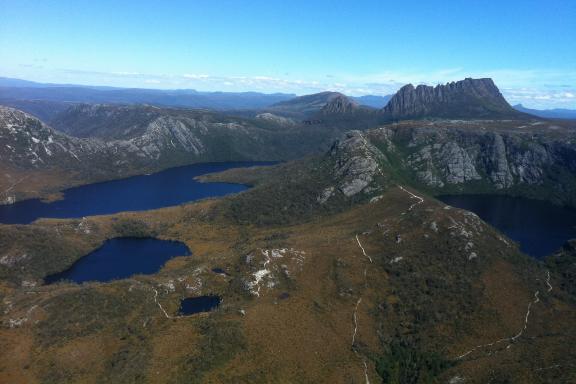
404,364
126,227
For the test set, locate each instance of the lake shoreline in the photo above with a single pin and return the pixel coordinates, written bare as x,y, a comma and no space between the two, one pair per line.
165,188
539,227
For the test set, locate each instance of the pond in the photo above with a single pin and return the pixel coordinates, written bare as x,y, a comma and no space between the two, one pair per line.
192,305
120,258
138,193
538,226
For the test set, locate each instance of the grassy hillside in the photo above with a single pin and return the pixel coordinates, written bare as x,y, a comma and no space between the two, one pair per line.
375,281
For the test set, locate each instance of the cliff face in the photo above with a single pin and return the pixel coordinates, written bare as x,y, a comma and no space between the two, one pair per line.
469,98
455,157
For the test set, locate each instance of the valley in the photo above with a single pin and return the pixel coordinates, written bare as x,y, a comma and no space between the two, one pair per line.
337,265
287,192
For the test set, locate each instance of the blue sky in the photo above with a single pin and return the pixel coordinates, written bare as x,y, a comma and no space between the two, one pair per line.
358,47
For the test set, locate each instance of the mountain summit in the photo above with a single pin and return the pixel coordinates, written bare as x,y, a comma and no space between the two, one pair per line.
309,105
340,104
468,98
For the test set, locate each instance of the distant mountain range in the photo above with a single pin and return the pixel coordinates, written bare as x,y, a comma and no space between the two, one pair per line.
40,98
373,101
176,98
557,113
342,259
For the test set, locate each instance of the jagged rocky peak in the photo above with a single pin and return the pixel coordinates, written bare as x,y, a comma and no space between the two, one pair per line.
339,103
20,126
468,98
26,142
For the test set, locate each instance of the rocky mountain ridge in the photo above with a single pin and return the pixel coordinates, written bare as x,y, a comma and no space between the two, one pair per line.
118,141
333,263
468,98
535,160
339,105
316,105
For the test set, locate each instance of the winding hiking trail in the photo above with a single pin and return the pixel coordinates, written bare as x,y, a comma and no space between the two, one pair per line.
413,196
512,339
355,313
162,308
368,154
362,248
420,200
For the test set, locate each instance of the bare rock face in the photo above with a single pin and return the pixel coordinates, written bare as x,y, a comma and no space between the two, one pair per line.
28,143
308,105
456,158
275,118
499,171
448,154
469,98
356,164
340,104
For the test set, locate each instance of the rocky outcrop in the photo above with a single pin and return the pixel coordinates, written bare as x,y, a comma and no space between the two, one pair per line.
340,104
480,155
127,143
93,120
323,103
440,164
275,118
469,98
145,136
356,164
497,163
27,142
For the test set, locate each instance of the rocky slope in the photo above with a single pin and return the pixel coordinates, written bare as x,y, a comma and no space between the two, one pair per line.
95,120
535,160
340,105
316,105
469,98
27,142
105,142
343,275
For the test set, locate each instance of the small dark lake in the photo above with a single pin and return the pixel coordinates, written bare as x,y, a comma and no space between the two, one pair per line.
220,271
538,226
138,193
192,305
120,258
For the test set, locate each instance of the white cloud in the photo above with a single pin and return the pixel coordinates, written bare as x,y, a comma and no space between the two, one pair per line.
533,88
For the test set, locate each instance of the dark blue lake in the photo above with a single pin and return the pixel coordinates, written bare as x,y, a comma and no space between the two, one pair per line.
538,226
192,305
170,187
120,258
